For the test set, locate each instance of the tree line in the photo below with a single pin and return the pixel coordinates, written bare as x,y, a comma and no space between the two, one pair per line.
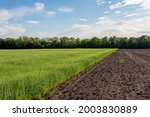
25,42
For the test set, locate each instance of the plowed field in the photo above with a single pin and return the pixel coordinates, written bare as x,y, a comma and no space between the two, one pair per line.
122,75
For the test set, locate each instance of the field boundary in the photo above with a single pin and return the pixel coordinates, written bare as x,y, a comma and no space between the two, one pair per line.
52,91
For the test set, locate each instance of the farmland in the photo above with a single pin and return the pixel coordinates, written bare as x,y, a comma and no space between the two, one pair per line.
123,75
28,74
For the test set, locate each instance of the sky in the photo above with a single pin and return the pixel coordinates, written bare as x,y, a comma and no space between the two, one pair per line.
74,18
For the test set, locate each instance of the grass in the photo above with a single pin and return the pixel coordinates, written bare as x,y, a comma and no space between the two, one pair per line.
121,61
25,74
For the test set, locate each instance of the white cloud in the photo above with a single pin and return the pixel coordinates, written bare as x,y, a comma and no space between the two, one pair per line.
11,31
132,2
83,19
147,13
80,30
21,11
66,9
99,2
104,21
106,12
134,26
77,30
117,12
117,5
140,24
42,34
39,6
7,14
32,22
51,13
146,4
141,3
109,2
81,26
131,27
132,15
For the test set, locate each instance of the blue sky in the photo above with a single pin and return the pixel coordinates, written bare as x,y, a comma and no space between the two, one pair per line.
74,18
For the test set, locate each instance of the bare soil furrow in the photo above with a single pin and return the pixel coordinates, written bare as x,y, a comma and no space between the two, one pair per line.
123,75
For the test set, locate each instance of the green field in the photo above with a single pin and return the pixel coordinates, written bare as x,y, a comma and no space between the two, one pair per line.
25,74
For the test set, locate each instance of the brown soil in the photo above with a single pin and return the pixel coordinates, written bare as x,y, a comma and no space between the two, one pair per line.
122,75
